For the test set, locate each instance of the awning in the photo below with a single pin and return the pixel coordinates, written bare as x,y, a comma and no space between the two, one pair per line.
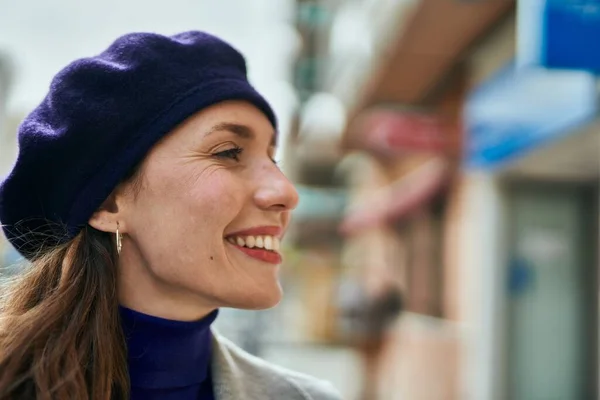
434,39
399,199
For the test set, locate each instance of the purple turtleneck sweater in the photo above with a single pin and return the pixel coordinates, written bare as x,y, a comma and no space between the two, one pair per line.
168,360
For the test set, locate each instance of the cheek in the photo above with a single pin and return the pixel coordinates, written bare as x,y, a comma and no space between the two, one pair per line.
189,210
180,223
215,199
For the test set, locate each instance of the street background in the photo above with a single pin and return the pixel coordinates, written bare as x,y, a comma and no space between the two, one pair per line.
447,156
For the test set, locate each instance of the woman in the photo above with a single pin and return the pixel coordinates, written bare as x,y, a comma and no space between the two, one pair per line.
146,197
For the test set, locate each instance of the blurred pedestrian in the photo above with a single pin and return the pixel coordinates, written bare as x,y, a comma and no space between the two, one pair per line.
370,318
145,197
371,299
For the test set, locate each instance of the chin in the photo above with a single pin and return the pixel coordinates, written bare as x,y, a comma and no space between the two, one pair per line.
258,300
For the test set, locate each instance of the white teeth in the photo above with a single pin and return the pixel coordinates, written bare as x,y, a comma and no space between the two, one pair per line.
268,243
259,242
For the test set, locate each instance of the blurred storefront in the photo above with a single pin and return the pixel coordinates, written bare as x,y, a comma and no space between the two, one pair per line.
395,79
530,197
470,155
409,117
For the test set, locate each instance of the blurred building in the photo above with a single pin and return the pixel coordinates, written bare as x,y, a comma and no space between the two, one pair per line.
469,132
529,194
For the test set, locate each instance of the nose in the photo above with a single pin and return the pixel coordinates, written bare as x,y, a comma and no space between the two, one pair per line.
275,191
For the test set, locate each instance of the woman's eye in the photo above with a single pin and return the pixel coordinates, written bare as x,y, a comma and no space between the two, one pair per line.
233,153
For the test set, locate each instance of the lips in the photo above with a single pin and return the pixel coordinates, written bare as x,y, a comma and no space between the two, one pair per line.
267,256
261,243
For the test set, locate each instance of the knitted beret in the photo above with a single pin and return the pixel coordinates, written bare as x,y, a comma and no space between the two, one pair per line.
100,118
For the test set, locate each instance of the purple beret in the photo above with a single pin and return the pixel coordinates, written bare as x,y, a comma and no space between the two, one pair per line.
100,118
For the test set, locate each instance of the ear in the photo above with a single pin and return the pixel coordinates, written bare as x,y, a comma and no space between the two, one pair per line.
108,215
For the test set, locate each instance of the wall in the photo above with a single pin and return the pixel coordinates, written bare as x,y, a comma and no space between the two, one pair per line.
479,256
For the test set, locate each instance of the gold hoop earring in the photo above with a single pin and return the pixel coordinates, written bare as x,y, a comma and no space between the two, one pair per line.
119,238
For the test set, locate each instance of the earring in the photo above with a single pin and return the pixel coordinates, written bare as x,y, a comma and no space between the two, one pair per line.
119,237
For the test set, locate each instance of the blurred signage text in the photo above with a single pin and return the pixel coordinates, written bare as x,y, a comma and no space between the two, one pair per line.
390,132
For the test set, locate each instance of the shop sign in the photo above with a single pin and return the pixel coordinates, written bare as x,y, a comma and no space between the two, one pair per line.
390,132
560,34
520,109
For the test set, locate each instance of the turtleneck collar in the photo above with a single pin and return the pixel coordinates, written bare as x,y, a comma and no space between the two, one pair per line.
164,353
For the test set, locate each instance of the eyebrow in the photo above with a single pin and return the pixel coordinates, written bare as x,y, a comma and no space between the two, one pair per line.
243,131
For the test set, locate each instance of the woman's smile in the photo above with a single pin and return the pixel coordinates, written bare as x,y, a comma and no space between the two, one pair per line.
261,243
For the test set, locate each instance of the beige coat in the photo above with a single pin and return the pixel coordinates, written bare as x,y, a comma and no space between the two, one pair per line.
238,375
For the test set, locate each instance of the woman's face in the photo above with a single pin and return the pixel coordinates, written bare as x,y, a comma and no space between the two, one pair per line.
202,228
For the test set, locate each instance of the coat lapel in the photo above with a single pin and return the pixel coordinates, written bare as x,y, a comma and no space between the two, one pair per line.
230,379
238,375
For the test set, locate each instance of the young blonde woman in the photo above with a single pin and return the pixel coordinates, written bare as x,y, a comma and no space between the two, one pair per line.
145,197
